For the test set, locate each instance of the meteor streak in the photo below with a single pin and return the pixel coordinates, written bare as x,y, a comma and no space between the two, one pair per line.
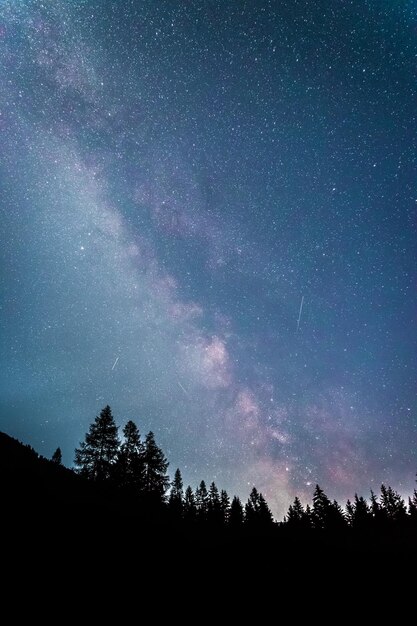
299,314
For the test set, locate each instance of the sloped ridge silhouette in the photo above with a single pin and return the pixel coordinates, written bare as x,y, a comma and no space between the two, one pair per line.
32,483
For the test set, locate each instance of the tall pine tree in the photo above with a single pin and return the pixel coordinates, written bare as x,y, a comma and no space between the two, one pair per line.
358,513
190,509
236,515
97,453
130,465
297,516
257,511
326,515
412,507
176,496
57,456
214,513
224,506
156,481
321,509
392,505
202,501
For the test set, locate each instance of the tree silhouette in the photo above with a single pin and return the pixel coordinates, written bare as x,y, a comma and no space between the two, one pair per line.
295,512
57,456
156,481
264,512
350,512
202,501
375,508
336,519
412,507
326,515
176,496
297,517
97,453
257,511
130,464
236,516
224,506
392,505
309,516
190,509
358,513
251,507
321,508
214,510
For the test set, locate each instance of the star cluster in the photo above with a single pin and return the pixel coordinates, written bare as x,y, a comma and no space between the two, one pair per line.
176,180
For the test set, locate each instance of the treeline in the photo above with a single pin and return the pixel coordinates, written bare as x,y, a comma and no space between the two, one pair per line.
387,511
137,469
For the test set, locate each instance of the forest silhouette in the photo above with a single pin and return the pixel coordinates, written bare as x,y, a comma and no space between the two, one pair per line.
122,482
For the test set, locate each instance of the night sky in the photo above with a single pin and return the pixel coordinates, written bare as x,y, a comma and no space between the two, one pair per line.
208,221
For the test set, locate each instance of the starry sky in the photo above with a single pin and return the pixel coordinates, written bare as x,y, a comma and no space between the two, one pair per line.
208,221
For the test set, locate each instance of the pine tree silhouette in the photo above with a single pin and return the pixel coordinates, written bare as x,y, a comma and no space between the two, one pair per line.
202,501
336,520
326,515
129,468
97,453
358,513
236,516
350,512
412,507
264,512
190,509
257,511
176,496
297,518
392,505
374,506
224,506
156,481
214,512
251,508
309,516
57,456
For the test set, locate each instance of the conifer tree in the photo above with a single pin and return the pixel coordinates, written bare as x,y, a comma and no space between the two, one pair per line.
336,519
326,515
412,507
358,513
176,496
97,453
202,500
297,517
350,512
130,464
251,508
57,456
190,509
257,511
264,512
236,516
374,507
392,504
214,512
309,516
224,506
156,481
